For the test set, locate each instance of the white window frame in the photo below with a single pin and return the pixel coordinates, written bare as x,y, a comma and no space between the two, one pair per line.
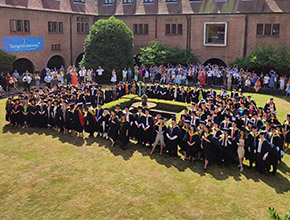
205,34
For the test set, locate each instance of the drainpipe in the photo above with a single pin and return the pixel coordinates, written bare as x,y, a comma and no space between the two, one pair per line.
156,27
246,35
70,38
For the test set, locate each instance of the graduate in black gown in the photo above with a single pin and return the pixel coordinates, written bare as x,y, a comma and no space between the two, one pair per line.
33,113
124,132
90,126
25,108
108,94
105,123
210,145
172,134
138,125
130,119
147,126
79,119
286,132
251,145
42,113
98,115
16,113
192,143
226,144
113,127
159,137
181,139
8,109
262,153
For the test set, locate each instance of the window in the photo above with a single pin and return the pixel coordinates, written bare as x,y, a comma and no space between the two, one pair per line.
26,26
215,33
171,1
55,47
135,28
140,28
193,1
13,25
267,29
60,27
108,2
276,29
80,1
179,29
83,25
173,29
19,25
127,1
167,29
260,29
54,27
146,28
148,1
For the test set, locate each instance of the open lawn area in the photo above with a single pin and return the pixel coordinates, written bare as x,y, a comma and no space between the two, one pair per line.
47,175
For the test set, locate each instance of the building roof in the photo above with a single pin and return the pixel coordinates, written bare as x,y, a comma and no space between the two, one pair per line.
160,7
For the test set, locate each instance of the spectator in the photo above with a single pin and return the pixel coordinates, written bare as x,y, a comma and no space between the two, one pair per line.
27,81
266,81
37,81
124,74
47,80
114,77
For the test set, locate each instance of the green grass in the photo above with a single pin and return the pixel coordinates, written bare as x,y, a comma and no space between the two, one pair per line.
46,175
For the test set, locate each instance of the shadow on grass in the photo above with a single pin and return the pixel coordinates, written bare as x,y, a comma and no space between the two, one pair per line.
279,182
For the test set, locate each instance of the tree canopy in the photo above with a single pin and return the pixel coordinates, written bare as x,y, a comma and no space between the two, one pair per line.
266,57
6,61
157,53
109,44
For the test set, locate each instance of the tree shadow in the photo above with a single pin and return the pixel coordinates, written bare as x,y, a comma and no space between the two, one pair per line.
278,182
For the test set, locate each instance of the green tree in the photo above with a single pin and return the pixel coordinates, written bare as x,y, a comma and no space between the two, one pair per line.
109,44
6,61
275,216
266,57
157,53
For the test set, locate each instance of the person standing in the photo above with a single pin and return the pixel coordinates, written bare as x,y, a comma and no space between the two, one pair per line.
99,74
160,130
262,153
124,132
286,132
114,77
74,78
27,81
124,74
241,149
113,127
172,134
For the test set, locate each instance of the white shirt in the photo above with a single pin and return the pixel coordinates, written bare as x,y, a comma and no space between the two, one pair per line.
124,73
100,72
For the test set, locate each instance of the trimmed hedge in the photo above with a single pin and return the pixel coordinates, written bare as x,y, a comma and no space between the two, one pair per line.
123,104
166,105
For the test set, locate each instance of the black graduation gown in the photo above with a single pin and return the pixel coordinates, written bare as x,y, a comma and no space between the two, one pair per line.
188,96
69,121
195,96
8,109
130,119
16,114
113,128
138,131
163,93
181,139
263,152
156,91
79,120
274,157
108,96
227,152
194,149
170,94
33,115
42,118
90,126
251,147
147,122
171,145
150,92
123,128
98,114
49,117
211,148
181,96
104,127
286,127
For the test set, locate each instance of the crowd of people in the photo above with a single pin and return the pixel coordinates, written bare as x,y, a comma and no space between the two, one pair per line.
219,128
203,75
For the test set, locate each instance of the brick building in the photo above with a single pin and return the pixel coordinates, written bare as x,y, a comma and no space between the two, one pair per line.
51,32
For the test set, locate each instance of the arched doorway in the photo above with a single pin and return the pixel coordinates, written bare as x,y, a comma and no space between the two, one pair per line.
55,61
79,59
217,61
23,64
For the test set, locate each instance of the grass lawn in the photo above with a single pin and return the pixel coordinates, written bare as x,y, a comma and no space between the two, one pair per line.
46,175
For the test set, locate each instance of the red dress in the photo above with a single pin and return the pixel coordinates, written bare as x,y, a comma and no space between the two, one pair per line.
74,79
202,79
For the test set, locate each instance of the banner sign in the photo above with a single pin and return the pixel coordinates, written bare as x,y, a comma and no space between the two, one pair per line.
22,44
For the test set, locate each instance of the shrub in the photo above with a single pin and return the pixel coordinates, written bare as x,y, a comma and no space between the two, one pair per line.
6,61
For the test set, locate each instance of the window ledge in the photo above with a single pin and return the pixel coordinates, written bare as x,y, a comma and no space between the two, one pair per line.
194,1
148,3
214,45
127,4
80,3
171,2
108,5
